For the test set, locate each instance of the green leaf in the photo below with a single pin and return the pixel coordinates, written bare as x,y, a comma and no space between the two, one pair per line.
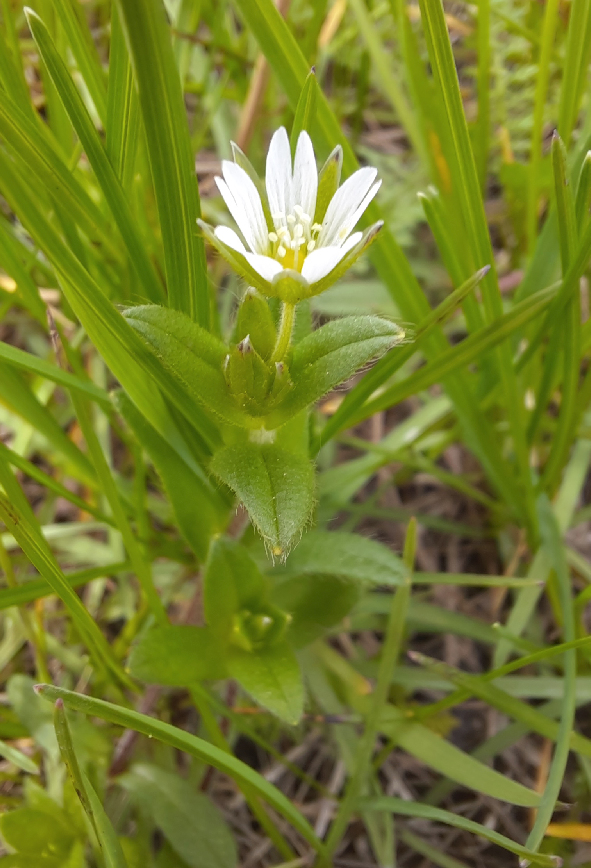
428,812
123,116
198,508
444,757
41,557
18,758
231,582
16,394
305,110
192,355
31,150
197,747
191,823
33,364
272,677
132,363
275,486
85,129
332,354
177,656
171,159
72,19
35,833
391,363
346,555
315,603
106,836
466,352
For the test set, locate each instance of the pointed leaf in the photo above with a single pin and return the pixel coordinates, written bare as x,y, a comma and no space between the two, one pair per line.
191,823
177,656
347,555
272,677
332,354
191,354
276,487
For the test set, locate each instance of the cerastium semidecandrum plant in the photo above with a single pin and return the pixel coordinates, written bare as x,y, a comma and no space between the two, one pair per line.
118,238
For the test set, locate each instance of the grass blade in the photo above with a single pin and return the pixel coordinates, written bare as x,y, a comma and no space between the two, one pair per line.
42,559
427,812
109,183
171,159
190,744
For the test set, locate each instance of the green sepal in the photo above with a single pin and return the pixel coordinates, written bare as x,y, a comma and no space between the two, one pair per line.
349,259
330,355
282,384
248,377
272,677
191,354
178,656
290,286
237,261
275,486
255,319
328,182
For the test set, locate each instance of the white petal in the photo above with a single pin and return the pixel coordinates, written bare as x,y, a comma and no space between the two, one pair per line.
305,175
321,262
278,176
265,266
344,204
247,197
351,221
236,209
230,238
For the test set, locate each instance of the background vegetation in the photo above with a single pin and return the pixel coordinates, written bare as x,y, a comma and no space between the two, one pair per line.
443,723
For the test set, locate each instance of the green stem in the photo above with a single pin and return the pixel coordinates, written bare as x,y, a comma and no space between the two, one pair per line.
285,330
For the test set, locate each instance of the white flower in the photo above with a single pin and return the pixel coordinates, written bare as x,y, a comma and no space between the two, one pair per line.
297,235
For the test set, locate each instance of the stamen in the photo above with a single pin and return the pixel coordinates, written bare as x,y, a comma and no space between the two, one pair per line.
298,210
281,251
305,218
291,219
311,245
298,230
316,227
273,237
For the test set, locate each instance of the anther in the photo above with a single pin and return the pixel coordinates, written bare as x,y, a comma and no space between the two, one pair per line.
291,219
281,251
273,237
311,245
316,227
298,230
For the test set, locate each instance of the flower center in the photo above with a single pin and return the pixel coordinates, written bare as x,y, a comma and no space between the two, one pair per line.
294,237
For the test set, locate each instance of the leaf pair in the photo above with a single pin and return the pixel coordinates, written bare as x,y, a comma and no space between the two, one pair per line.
243,639
275,483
